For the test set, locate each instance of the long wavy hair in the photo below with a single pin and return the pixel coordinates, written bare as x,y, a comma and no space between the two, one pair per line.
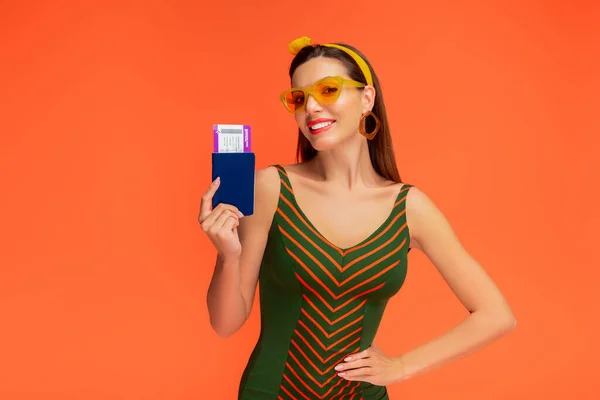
381,151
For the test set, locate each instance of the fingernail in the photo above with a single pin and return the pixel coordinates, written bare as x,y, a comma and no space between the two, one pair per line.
347,359
217,179
338,367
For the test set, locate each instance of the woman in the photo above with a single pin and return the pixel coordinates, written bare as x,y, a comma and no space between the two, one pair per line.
328,243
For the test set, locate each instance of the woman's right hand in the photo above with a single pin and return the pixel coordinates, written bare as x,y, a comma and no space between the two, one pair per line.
220,224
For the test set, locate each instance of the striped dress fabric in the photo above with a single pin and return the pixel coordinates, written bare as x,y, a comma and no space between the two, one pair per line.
320,303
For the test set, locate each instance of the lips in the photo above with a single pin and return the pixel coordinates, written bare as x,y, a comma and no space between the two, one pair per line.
319,124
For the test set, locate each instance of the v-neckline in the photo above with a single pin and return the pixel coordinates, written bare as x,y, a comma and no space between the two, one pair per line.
342,249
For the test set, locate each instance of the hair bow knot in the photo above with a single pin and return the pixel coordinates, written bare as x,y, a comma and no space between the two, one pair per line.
298,44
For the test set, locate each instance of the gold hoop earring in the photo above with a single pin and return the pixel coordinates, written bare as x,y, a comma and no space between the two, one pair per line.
363,124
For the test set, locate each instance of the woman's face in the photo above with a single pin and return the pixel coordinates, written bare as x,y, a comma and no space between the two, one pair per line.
326,125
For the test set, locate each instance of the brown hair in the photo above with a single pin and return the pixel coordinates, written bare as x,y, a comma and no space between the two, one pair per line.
381,151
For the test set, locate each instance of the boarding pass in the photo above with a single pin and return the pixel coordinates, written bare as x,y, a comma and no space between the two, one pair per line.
230,138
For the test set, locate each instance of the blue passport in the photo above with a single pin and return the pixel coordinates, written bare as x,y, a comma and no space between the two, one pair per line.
237,173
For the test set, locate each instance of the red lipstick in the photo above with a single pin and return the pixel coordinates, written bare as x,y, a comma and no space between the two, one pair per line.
323,125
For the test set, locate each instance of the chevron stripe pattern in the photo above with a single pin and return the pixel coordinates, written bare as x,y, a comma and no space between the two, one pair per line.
336,286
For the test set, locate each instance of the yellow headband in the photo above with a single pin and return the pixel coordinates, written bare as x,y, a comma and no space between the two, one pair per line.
300,43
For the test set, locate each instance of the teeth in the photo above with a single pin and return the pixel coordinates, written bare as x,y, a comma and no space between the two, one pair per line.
321,125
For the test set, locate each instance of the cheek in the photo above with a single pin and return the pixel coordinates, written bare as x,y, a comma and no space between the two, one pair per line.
348,110
300,118
350,101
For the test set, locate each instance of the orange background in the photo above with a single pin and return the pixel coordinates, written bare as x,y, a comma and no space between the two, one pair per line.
106,132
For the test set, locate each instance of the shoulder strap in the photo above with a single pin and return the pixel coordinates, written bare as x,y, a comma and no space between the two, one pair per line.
401,202
286,186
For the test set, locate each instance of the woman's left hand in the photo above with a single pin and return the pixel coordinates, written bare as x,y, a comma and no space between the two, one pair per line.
373,366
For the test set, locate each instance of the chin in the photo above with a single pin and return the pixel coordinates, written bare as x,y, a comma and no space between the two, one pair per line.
328,140
324,142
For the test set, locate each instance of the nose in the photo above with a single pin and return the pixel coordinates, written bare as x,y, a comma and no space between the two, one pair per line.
312,106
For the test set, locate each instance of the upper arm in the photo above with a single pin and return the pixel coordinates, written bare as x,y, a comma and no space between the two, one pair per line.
435,237
253,231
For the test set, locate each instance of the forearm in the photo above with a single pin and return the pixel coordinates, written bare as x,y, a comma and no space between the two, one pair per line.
226,304
475,332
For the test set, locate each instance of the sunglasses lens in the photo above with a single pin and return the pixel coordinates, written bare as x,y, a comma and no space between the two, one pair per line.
327,91
294,99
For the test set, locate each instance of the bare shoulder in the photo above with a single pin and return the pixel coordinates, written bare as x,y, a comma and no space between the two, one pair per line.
423,217
418,202
266,191
428,225
267,179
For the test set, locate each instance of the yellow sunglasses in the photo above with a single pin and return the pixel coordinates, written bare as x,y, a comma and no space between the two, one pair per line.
324,91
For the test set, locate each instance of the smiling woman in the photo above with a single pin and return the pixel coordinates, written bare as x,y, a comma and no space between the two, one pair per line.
329,242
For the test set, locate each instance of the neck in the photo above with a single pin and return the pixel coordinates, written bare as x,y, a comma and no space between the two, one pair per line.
347,166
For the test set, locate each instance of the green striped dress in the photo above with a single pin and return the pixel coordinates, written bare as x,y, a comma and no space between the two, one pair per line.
319,303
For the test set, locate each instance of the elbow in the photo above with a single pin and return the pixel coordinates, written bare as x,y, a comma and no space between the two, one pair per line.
510,324
225,328
224,322
223,334
505,321
222,331
500,321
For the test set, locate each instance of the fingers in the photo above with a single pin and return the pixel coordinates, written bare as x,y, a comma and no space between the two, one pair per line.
360,363
359,369
229,225
362,354
215,214
355,365
360,374
225,216
207,199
